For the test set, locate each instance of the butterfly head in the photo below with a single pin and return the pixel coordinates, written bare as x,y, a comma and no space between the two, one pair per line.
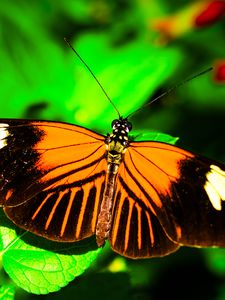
121,125
119,137
121,128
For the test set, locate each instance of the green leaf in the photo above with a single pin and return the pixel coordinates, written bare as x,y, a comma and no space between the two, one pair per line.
40,266
153,136
7,292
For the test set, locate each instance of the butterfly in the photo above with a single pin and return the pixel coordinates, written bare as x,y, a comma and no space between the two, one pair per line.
66,183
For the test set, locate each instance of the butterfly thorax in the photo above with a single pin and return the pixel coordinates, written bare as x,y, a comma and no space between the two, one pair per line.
115,152
116,145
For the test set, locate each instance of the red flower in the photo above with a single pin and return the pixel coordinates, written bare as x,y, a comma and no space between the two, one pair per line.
212,13
219,71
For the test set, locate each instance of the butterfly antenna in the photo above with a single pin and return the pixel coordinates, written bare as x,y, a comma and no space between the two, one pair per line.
96,79
170,90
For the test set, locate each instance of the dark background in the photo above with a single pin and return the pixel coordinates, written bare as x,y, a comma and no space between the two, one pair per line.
138,50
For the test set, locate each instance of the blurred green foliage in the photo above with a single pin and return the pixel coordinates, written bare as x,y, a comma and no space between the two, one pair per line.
42,79
45,268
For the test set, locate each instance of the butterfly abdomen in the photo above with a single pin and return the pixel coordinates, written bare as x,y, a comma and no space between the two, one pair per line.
105,215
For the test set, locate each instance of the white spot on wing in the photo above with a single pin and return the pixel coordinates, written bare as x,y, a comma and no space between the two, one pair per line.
214,197
3,134
215,186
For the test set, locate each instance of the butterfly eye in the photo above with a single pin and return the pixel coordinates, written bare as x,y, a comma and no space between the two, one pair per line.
114,123
129,126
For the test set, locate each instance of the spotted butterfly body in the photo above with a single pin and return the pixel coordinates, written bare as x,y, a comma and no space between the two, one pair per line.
67,183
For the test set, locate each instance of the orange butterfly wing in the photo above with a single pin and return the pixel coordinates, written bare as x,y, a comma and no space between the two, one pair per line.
162,201
52,177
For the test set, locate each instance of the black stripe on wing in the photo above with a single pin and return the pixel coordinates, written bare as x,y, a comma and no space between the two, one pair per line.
136,231
47,214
